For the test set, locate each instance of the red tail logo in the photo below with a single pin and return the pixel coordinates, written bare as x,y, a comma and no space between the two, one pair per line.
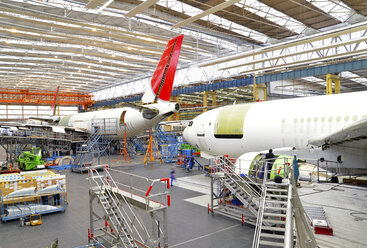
163,77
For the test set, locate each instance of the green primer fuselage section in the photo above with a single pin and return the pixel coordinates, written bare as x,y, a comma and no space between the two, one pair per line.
229,122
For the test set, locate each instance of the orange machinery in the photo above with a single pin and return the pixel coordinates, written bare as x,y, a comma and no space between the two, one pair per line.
43,97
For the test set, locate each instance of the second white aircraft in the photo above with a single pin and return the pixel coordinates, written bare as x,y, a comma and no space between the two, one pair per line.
337,123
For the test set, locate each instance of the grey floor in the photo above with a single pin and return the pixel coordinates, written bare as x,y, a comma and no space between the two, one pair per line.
189,224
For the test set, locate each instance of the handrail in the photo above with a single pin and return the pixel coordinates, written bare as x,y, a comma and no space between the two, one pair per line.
148,197
113,197
305,237
128,205
260,213
229,167
288,234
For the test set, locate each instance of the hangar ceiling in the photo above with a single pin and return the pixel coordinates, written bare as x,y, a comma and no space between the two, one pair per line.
96,44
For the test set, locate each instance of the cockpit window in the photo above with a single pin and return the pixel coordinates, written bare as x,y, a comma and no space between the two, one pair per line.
190,123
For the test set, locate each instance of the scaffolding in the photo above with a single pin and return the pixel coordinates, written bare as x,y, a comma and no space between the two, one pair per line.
118,208
17,141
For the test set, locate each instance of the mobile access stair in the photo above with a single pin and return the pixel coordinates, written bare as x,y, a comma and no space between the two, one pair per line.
281,220
120,223
274,208
230,184
96,145
272,213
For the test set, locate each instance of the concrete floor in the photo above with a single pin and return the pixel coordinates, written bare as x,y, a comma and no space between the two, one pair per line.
345,207
189,224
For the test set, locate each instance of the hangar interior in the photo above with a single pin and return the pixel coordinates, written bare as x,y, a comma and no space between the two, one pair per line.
87,56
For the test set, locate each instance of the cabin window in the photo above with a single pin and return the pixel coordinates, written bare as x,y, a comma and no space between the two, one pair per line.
322,119
346,118
338,118
190,123
302,120
355,118
330,119
315,119
308,120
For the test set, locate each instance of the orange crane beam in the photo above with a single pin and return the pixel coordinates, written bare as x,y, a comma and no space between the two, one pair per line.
31,97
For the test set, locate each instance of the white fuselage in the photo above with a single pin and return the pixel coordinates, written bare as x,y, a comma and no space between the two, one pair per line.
119,120
274,124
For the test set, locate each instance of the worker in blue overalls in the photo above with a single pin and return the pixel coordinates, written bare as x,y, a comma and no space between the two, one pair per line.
296,170
173,177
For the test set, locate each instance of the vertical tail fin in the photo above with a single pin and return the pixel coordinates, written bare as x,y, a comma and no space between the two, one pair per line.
162,81
53,109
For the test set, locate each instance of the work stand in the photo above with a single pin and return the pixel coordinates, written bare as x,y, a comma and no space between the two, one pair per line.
122,215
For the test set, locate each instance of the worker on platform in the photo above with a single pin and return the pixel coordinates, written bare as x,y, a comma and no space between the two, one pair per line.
296,170
270,157
173,177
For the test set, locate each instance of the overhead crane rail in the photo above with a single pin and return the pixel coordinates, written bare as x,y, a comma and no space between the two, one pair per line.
26,96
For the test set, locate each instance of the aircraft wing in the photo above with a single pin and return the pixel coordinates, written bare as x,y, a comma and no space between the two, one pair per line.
51,119
353,135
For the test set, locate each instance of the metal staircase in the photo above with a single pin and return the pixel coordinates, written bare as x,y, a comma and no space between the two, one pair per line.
139,145
169,143
96,145
273,207
121,224
272,213
116,231
242,188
